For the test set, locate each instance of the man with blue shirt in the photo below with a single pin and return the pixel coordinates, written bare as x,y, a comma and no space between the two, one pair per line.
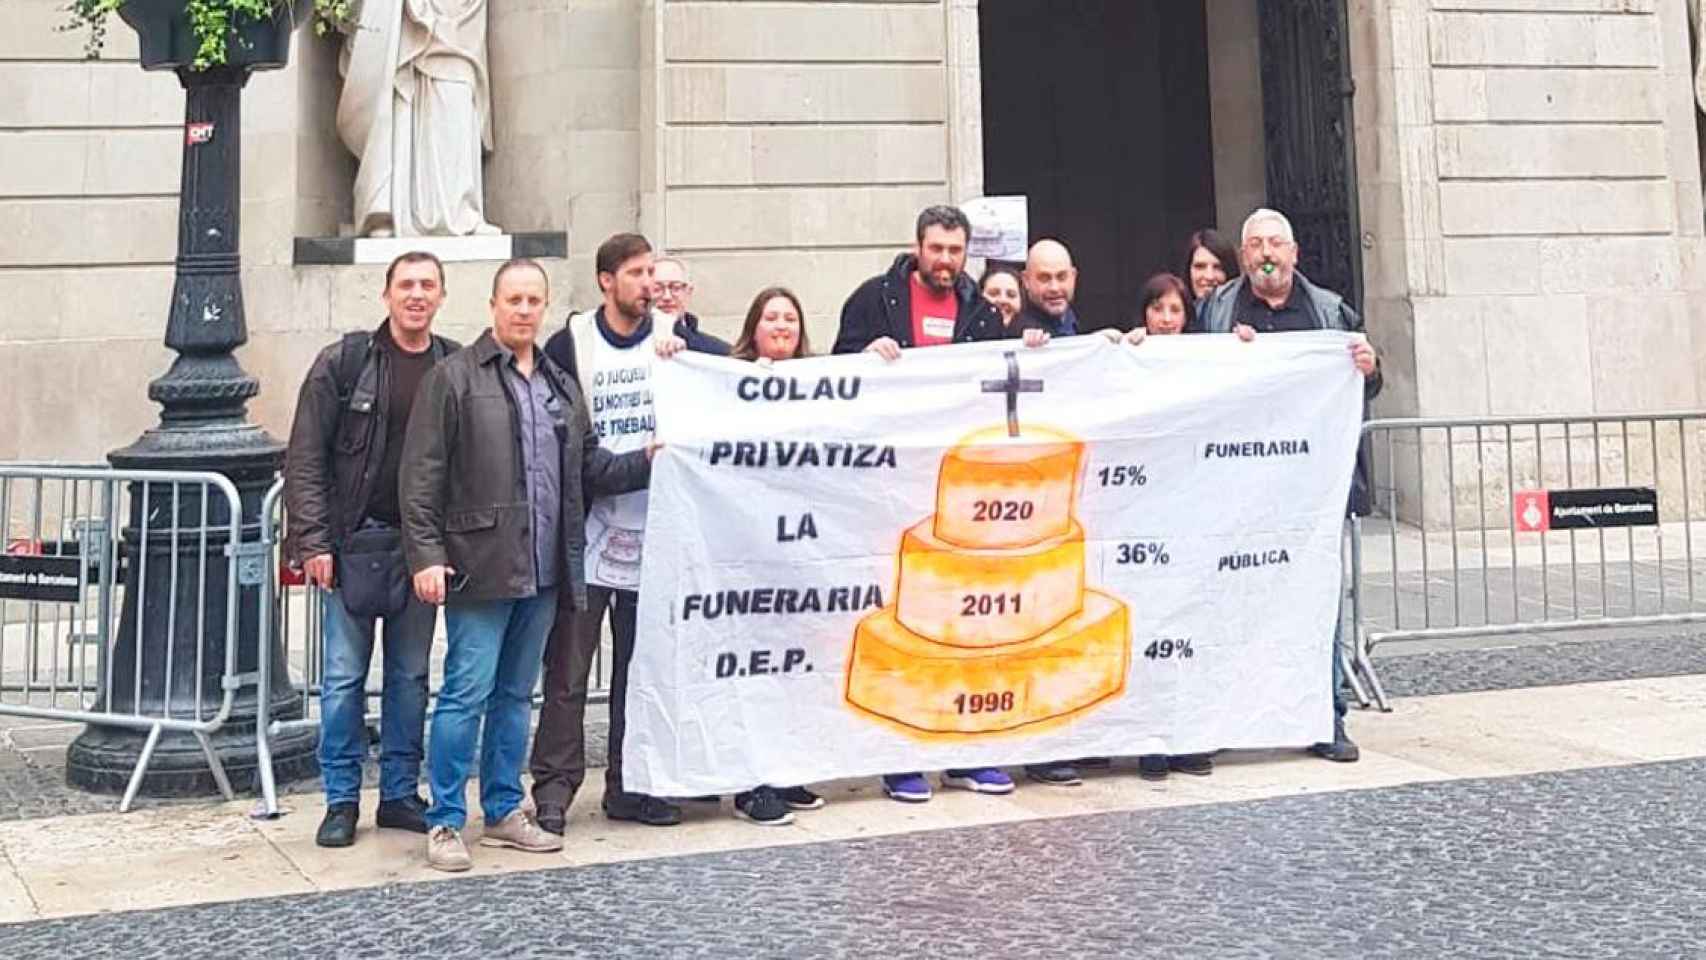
499,461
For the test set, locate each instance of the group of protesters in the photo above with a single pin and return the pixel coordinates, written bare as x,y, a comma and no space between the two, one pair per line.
423,474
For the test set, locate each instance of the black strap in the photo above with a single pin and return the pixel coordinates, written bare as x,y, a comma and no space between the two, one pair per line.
352,353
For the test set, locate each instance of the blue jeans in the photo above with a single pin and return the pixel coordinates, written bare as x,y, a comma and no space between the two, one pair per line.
343,699
496,648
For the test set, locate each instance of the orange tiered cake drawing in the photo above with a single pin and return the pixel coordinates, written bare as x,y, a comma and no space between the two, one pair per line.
993,627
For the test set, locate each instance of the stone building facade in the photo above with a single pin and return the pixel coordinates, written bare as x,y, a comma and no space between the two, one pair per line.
1527,182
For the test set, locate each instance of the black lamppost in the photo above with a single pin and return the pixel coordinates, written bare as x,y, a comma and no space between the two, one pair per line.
203,426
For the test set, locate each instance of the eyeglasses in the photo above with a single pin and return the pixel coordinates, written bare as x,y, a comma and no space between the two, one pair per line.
678,288
1254,244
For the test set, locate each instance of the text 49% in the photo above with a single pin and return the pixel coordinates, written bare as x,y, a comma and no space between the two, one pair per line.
1142,553
1123,475
1169,648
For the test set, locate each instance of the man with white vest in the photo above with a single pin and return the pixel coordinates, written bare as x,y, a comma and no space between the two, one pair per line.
609,351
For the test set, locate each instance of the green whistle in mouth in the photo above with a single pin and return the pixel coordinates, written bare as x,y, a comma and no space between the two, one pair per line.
1268,268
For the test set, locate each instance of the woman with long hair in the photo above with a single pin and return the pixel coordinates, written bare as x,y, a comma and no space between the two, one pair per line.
775,330
1209,262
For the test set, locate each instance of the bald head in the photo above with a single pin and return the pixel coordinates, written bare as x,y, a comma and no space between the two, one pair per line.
1050,278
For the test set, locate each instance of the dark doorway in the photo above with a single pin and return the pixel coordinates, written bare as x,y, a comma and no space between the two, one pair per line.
1311,159
1098,111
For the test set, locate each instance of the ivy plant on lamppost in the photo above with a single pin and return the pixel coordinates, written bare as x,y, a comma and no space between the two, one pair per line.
212,46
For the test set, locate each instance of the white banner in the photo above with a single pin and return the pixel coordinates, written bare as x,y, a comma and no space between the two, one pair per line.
983,554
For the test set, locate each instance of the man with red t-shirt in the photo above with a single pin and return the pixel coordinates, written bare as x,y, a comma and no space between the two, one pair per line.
924,299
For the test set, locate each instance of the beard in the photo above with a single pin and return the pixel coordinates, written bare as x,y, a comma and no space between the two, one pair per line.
635,309
935,285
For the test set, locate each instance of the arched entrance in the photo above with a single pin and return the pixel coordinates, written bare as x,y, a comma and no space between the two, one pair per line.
1103,113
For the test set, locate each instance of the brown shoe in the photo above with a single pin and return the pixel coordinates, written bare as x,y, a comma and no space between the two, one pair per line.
446,852
519,830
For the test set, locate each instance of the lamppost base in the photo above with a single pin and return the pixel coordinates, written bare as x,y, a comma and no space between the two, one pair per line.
103,759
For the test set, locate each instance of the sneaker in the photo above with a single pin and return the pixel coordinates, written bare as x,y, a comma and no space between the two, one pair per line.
763,806
446,852
404,813
1059,774
906,787
980,780
338,828
1195,764
799,798
518,830
641,808
1152,766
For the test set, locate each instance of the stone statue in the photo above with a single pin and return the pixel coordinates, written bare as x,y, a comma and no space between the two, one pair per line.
416,112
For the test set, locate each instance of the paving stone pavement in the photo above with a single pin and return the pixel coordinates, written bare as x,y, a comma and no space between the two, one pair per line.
1589,863
32,773
1543,664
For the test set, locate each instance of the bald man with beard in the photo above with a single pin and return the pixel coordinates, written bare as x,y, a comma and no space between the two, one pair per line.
1051,282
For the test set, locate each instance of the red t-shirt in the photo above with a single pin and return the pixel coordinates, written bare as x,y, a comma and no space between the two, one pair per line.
932,315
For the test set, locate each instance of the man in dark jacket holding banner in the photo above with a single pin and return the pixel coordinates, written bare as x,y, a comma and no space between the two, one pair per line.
1272,296
924,299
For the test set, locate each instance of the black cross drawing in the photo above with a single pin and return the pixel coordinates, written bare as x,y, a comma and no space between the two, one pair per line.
1012,386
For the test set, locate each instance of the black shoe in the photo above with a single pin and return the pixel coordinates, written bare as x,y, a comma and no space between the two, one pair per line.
1054,774
640,808
338,829
1152,766
552,818
403,813
1195,764
763,806
1341,750
799,798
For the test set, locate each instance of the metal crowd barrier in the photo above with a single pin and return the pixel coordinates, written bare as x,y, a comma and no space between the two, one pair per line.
70,536
1469,547
301,634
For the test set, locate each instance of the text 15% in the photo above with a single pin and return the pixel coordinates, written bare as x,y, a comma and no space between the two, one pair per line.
1123,475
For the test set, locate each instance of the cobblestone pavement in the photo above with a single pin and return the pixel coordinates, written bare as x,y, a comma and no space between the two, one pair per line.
1589,863
32,758
1542,664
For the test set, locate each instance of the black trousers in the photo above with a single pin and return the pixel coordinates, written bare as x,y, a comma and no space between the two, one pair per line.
558,764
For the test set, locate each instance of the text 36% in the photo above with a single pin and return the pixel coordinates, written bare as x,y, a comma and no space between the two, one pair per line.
1142,553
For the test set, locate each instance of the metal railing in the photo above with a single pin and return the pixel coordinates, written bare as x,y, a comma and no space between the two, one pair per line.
1466,553
71,633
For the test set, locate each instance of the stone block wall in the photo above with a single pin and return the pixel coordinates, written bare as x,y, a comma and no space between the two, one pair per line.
89,170
1531,194
795,143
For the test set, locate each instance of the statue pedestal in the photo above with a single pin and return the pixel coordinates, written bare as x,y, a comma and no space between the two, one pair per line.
337,251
